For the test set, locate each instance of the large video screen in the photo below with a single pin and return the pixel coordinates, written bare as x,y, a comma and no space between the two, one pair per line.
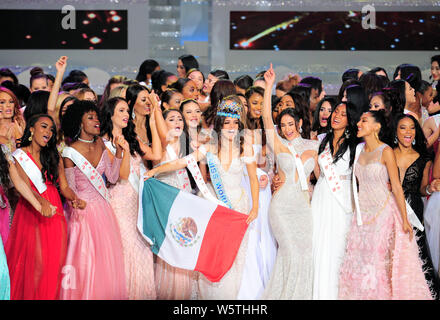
44,29
283,30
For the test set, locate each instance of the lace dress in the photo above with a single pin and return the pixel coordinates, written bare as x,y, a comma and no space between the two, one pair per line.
411,188
331,223
380,261
174,283
290,217
138,258
228,287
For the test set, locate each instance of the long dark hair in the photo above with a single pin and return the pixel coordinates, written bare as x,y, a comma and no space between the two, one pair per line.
380,117
189,62
302,107
49,156
316,126
183,139
349,142
105,118
357,96
159,79
147,67
254,123
37,104
294,113
396,92
221,89
219,121
420,145
131,97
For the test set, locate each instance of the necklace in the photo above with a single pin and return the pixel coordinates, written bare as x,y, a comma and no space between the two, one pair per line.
86,141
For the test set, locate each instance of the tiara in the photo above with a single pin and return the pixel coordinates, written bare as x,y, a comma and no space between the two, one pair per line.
229,108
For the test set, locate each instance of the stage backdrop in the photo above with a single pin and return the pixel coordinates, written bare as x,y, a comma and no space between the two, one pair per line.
322,38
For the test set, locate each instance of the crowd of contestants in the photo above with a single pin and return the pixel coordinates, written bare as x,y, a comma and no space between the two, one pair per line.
343,173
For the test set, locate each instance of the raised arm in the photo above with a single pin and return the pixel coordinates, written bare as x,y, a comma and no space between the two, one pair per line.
160,121
390,162
271,136
155,152
60,65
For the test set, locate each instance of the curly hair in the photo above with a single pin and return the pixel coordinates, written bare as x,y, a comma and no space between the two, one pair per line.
72,119
49,156
105,117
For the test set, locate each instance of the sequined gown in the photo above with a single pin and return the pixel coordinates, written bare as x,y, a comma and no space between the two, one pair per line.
95,263
138,258
174,283
380,262
411,188
228,287
290,217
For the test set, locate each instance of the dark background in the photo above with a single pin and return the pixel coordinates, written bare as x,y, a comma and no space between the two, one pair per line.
336,31
42,29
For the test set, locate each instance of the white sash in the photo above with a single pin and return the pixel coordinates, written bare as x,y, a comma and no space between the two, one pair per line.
328,168
183,179
359,148
88,170
198,178
299,167
133,178
31,170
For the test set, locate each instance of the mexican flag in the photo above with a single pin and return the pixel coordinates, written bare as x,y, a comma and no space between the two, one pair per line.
188,231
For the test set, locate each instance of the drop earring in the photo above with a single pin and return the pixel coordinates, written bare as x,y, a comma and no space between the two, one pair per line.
30,138
347,134
395,140
413,142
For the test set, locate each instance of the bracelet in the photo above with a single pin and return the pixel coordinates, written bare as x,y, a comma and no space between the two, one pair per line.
427,190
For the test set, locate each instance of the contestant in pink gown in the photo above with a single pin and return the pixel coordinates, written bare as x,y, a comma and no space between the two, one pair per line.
94,267
138,257
380,262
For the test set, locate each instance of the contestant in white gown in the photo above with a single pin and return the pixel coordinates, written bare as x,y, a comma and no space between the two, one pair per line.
332,206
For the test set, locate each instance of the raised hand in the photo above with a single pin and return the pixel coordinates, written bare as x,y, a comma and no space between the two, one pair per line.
61,64
269,75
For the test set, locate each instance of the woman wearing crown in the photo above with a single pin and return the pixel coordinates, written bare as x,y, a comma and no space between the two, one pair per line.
227,154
